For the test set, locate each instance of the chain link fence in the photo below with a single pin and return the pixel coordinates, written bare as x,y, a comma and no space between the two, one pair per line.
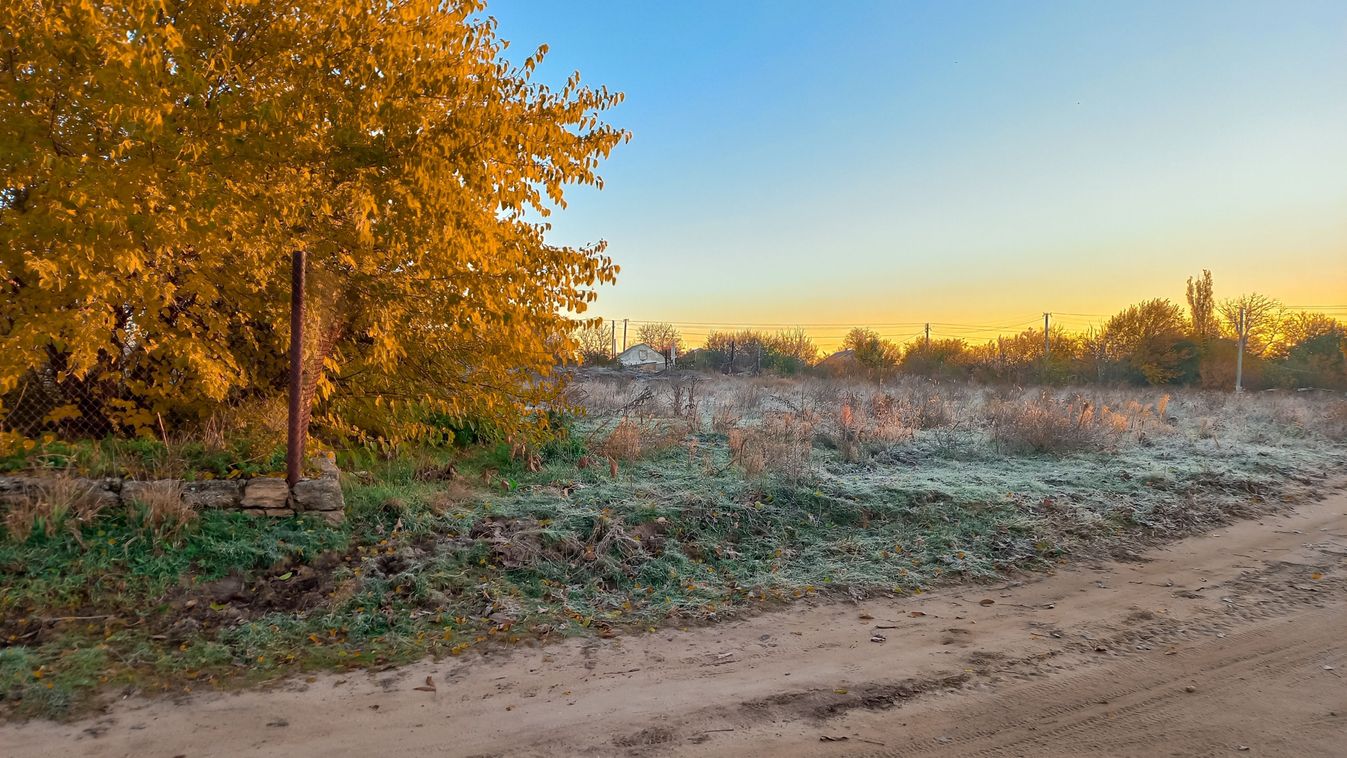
46,406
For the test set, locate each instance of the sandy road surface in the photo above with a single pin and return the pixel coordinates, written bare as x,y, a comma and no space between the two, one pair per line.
1231,643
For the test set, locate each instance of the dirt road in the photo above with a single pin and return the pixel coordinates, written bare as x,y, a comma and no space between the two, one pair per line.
1231,643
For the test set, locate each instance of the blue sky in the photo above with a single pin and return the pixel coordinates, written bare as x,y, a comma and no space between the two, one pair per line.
958,162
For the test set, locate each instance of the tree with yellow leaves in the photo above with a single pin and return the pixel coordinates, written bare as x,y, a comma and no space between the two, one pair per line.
160,161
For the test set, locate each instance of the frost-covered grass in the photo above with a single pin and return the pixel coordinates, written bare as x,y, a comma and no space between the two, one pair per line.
675,499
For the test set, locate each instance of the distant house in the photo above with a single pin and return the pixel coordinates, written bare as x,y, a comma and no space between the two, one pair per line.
642,356
840,362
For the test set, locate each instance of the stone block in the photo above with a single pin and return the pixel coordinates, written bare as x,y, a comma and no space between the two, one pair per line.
318,495
213,493
266,493
18,489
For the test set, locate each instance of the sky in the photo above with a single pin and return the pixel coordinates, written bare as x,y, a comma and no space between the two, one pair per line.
970,164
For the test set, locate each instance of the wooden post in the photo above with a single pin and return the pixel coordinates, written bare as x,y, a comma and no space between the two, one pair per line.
294,443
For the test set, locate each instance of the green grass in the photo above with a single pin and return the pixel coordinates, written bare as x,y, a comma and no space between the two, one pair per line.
144,458
441,568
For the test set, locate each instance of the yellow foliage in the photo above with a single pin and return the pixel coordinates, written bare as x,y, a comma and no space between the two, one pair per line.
160,162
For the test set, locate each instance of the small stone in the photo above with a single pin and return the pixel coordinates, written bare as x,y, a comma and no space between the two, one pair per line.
1190,688
327,468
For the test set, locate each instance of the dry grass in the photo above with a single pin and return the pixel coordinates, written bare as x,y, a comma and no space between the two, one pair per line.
161,510
1333,422
771,423
781,444
61,503
624,443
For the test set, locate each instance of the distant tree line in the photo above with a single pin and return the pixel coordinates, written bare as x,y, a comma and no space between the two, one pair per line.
1154,342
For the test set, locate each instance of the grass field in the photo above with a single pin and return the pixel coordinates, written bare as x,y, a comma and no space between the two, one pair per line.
674,499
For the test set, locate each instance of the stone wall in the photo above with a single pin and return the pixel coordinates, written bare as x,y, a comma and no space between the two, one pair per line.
261,496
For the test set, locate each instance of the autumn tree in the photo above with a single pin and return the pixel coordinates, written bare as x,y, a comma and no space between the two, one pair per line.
1312,352
662,336
1253,317
1149,337
870,350
1202,309
159,163
1305,326
786,352
948,358
793,345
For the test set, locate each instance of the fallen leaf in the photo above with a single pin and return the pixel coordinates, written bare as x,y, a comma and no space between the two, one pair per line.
839,691
286,576
1316,576
877,638
826,738
866,617
917,614
429,686
986,601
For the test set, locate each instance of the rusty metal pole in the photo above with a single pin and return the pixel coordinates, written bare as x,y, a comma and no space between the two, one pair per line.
294,443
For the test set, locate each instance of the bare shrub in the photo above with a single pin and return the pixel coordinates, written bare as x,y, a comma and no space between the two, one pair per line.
161,510
632,439
1046,425
61,503
918,406
747,451
685,400
849,429
723,418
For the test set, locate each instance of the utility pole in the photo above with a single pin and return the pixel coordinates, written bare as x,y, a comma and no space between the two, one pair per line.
1242,329
295,433
730,368
1046,346
624,334
928,335
614,339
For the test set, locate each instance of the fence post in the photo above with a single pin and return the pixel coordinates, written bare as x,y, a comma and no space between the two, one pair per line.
294,443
